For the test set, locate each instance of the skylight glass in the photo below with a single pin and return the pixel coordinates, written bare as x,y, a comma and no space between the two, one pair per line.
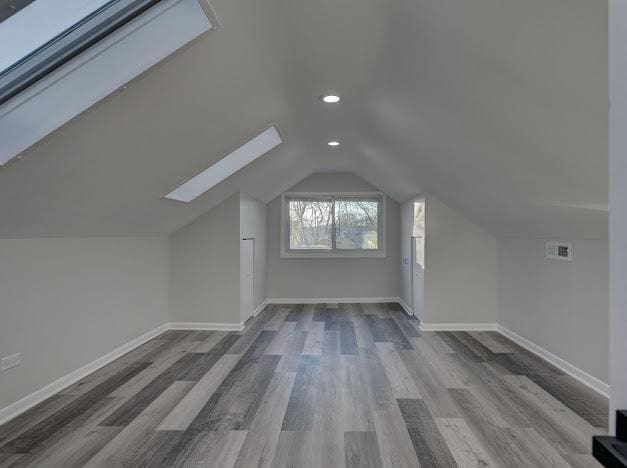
226,166
98,55
37,23
46,34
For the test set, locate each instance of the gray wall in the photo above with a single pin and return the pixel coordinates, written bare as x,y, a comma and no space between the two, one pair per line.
204,267
290,278
66,302
618,205
253,215
558,305
460,268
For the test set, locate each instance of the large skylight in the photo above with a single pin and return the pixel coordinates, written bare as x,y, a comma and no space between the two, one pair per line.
226,166
112,42
38,23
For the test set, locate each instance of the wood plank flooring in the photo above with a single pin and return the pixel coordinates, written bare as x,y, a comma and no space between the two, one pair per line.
314,385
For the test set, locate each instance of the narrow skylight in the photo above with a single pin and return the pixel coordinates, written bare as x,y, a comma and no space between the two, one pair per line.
226,166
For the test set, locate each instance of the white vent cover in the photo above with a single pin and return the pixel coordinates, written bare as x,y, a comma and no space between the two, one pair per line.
558,250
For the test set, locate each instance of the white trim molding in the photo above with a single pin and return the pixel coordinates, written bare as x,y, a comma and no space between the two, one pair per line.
26,403
206,326
589,380
259,308
406,307
332,300
458,326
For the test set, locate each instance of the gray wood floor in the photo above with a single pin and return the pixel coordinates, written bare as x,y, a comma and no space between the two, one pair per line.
316,385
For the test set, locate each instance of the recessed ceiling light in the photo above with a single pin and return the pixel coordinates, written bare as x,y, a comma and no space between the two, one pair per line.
333,143
330,98
226,166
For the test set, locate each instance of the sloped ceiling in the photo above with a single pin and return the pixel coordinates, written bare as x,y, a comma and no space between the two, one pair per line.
498,107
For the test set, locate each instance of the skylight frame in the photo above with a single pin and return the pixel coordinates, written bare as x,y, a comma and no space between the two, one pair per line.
120,57
226,166
68,44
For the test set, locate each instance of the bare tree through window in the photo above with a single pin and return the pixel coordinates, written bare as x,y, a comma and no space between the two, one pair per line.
342,223
311,224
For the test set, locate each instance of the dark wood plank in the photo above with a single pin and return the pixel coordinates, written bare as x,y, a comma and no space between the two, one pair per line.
234,404
142,399
205,362
348,340
386,330
429,444
459,347
582,400
45,429
362,450
300,407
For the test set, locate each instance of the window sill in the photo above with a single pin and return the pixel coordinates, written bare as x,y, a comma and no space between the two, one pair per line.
377,254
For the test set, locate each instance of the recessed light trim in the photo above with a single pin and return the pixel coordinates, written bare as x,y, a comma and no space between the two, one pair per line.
226,166
333,143
330,98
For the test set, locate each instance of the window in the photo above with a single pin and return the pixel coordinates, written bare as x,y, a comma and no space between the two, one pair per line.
333,225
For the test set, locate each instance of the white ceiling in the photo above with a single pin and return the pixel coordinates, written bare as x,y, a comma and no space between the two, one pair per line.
498,107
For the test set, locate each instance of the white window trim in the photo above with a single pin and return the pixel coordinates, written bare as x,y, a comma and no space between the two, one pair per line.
382,238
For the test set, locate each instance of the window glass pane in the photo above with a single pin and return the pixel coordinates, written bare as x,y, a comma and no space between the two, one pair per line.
311,223
356,222
37,23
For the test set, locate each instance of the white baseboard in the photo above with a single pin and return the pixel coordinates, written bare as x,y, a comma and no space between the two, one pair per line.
332,300
458,326
206,326
26,403
575,372
260,308
595,384
404,305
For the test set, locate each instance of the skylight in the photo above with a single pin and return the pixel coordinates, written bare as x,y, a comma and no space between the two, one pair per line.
226,166
38,23
57,58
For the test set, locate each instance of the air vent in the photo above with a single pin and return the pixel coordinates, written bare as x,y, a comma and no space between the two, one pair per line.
558,250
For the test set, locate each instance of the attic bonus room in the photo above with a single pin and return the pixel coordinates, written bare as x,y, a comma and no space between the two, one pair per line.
340,233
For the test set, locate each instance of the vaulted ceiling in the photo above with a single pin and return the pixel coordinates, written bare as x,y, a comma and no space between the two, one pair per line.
497,107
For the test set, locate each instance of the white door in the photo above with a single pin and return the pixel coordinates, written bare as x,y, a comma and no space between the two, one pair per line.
248,278
417,277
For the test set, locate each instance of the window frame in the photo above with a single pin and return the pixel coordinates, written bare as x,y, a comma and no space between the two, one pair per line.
286,252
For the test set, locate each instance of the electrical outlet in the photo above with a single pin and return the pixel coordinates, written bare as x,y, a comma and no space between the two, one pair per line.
10,361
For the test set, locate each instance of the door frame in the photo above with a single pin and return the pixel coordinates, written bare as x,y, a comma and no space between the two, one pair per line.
248,314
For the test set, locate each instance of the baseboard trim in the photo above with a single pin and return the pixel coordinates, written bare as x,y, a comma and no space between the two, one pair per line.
206,326
589,380
332,300
458,326
26,403
29,401
260,308
404,305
